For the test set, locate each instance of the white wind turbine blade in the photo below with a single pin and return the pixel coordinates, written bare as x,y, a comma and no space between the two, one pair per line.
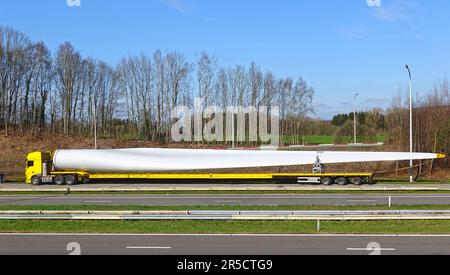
153,160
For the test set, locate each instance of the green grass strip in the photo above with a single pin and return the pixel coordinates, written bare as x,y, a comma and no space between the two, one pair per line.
227,227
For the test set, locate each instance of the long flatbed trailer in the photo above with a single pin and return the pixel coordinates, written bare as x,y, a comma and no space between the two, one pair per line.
326,179
224,176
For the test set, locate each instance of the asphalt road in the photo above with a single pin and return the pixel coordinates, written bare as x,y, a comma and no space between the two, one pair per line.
241,200
154,187
13,244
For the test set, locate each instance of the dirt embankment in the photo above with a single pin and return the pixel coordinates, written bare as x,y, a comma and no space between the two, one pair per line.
15,149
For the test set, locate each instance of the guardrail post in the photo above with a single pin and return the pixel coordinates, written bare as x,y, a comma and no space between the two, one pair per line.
390,202
318,225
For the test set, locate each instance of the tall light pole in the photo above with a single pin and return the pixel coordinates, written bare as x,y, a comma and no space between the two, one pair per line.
354,118
411,178
95,125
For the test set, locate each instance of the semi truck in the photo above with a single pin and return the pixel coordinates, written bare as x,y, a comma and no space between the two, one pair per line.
40,169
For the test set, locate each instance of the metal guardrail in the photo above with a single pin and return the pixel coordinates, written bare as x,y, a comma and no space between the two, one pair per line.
226,215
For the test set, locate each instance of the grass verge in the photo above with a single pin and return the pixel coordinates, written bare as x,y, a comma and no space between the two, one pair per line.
227,227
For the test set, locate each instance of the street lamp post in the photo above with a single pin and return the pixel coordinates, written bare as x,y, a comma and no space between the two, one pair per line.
411,178
354,118
95,125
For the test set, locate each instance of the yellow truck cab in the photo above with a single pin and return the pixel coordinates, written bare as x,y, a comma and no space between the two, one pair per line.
39,169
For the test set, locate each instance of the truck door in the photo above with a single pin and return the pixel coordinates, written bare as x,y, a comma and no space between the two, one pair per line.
30,170
33,166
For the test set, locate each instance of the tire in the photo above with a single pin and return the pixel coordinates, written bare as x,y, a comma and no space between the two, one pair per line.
59,180
36,180
327,181
342,181
71,180
357,181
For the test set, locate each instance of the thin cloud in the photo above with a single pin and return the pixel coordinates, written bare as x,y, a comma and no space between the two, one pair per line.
346,104
399,13
321,106
377,100
179,5
396,11
354,32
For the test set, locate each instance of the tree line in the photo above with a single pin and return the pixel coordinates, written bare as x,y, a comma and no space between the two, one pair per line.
431,121
375,118
66,93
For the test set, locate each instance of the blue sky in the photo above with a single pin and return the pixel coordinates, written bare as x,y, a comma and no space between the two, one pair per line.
339,46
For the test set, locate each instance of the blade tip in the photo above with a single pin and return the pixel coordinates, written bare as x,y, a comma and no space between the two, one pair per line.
441,156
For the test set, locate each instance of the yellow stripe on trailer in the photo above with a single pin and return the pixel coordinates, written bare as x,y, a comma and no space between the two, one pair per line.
219,176
181,176
333,175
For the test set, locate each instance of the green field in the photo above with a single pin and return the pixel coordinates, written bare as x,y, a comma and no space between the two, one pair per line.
318,140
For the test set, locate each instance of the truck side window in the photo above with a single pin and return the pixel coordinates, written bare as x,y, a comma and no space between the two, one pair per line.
30,163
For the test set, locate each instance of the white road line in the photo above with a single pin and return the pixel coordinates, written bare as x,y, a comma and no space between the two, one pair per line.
224,197
361,201
232,197
227,201
147,247
98,202
371,250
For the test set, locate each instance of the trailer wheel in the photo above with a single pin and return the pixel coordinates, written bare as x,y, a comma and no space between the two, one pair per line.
36,180
327,181
357,181
71,180
59,180
342,181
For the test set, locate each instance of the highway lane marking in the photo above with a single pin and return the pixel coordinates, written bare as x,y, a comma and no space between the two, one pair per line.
205,197
371,250
223,197
227,201
361,201
148,247
98,201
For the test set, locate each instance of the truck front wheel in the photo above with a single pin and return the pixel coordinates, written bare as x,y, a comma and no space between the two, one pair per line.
36,180
59,180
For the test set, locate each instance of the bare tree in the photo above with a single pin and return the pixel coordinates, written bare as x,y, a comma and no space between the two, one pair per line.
42,85
206,74
256,85
14,57
222,89
68,63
